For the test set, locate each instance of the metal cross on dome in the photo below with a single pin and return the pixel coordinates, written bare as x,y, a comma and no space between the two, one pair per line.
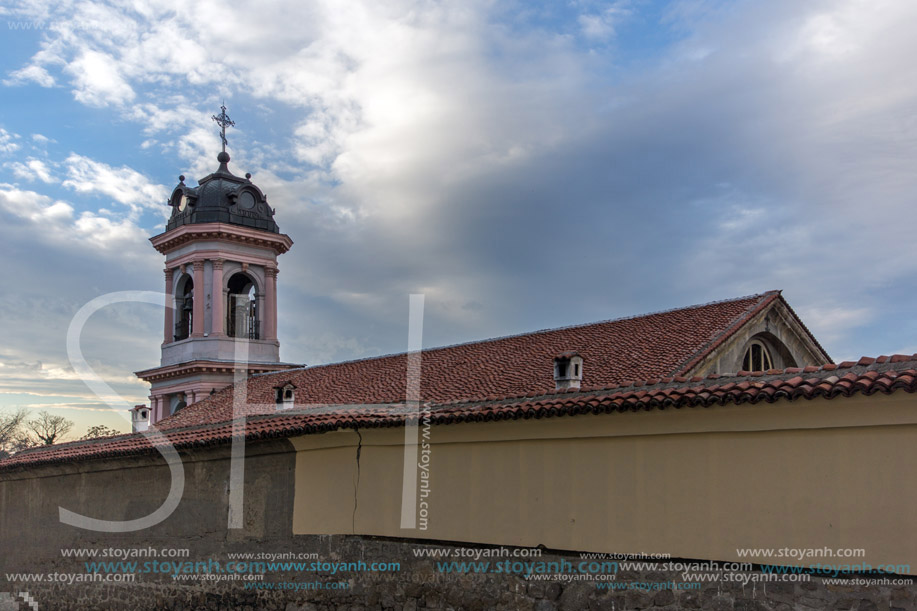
223,121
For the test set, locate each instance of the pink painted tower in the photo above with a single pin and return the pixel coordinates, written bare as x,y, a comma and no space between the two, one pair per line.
221,246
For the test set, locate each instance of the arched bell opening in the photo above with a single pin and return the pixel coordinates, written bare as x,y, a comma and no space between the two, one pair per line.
184,305
242,316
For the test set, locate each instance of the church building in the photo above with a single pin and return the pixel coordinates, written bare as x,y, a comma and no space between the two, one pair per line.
697,432
221,246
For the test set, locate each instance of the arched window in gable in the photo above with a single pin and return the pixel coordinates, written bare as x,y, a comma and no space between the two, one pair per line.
757,357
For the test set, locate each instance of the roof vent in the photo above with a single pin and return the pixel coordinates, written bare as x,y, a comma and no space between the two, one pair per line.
568,370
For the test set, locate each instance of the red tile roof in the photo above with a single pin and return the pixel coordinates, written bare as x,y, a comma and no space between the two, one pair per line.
637,348
868,376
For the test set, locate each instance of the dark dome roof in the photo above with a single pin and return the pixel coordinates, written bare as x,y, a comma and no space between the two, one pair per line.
221,197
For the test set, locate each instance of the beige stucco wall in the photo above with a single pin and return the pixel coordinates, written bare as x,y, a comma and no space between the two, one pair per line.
694,483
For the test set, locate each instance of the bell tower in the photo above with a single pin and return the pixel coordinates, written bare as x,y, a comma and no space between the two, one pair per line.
221,246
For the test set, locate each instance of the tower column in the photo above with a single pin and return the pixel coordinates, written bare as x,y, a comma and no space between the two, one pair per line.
197,322
169,328
270,303
217,298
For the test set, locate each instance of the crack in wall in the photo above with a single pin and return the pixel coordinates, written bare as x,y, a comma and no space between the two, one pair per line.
356,484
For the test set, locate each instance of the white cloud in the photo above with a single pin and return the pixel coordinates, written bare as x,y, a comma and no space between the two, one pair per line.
603,24
33,169
8,142
32,73
33,206
155,118
57,221
385,95
124,185
98,81
197,145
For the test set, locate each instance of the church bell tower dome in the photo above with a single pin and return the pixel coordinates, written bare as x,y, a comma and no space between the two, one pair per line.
221,246
221,197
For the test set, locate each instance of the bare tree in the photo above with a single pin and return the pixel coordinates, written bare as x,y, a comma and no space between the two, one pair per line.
99,430
23,441
49,428
11,431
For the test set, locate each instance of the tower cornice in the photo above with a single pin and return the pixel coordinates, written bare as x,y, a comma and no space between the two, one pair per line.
181,370
221,232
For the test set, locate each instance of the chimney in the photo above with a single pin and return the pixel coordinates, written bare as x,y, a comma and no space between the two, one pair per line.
568,370
140,418
284,396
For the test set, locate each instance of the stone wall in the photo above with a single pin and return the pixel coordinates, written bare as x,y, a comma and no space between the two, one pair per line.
32,538
130,488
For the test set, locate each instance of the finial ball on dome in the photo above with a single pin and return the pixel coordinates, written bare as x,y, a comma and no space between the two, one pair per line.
223,157
181,178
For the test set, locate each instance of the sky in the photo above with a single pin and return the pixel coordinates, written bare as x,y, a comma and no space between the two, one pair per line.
524,165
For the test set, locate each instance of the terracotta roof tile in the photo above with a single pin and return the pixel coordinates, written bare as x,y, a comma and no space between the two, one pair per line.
898,374
648,348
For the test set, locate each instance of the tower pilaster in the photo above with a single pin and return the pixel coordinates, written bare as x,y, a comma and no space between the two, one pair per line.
169,326
270,305
197,329
217,298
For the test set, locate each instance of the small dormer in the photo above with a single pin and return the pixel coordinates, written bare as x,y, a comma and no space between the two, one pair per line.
568,370
285,396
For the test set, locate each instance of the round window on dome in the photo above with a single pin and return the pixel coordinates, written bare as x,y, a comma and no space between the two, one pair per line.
247,200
